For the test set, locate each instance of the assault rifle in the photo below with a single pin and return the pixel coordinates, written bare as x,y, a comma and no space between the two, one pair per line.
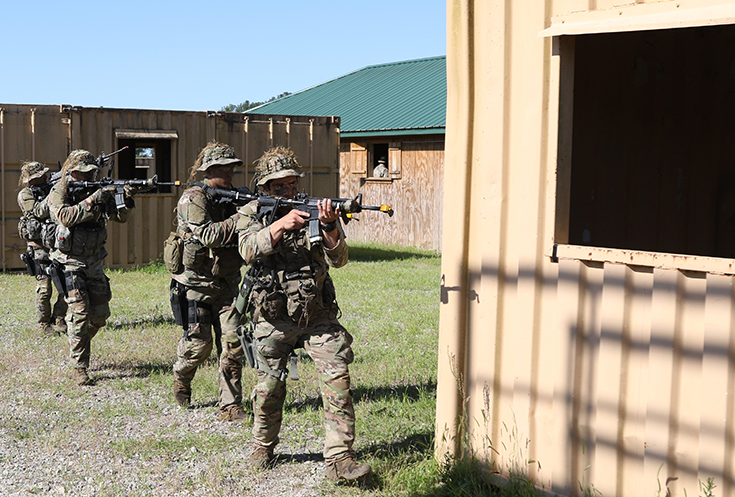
268,206
41,191
119,186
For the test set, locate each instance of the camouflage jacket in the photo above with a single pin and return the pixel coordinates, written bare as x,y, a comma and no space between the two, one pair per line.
33,207
207,227
81,230
300,269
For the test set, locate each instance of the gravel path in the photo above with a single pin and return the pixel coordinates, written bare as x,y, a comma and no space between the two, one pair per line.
42,453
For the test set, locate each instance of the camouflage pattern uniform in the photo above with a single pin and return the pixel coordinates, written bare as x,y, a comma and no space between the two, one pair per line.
33,202
299,311
81,234
211,277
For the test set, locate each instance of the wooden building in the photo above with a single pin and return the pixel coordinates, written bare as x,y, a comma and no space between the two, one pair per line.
161,142
587,321
396,111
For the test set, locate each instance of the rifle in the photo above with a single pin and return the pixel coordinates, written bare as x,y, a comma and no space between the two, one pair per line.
119,185
103,159
268,206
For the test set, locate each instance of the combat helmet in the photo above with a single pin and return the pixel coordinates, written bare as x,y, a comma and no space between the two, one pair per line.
32,170
276,163
80,160
216,154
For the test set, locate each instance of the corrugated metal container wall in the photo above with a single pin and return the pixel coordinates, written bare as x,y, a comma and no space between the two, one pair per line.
48,133
584,368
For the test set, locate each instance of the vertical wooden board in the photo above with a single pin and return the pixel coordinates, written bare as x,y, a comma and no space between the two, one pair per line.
359,158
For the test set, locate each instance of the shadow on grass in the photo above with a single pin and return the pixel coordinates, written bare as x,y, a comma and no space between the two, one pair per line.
118,324
359,253
127,369
399,392
410,393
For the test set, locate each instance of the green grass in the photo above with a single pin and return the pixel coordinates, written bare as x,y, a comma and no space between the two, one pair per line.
389,299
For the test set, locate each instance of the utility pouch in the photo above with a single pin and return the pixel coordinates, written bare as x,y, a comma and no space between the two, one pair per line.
173,248
245,334
179,305
63,238
56,272
194,254
29,228
301,292
243,296
29,262
48,234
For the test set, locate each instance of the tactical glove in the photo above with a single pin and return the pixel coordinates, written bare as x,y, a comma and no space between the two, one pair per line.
102,195
131,190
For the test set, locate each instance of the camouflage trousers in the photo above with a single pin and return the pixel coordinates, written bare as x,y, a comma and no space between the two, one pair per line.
88,295
44,293
329,346
196,345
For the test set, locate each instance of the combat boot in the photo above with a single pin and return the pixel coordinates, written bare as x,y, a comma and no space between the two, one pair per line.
46,330
234,413
182,394
80,376
262,457
347,468
61,327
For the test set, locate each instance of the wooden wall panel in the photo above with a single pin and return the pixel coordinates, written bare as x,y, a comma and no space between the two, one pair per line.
416,196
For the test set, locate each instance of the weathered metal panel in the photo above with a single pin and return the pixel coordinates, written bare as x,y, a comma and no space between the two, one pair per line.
49,133
579,366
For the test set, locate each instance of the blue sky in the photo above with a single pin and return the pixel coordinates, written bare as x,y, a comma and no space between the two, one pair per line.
186,55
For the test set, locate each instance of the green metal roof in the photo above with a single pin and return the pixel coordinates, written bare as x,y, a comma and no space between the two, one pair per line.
407,97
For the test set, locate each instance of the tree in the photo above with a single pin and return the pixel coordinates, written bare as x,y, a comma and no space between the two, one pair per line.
247,104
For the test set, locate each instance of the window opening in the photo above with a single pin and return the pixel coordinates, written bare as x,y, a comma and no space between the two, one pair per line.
646,155
143,159
379,161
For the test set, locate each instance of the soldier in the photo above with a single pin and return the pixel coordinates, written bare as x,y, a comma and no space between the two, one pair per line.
293,304
81,232
209,280
381,170
37,228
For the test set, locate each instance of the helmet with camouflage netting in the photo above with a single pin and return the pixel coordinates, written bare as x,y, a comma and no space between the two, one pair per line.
32,170
80,160
276,163
216,154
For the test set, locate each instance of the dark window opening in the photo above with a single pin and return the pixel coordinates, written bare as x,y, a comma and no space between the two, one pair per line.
379,161
652,153
143,159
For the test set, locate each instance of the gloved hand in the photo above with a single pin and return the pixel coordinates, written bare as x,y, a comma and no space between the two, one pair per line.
102,195
131,190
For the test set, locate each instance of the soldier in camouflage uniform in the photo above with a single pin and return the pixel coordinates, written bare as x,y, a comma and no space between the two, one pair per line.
293,304
37,229
81,232
209,280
